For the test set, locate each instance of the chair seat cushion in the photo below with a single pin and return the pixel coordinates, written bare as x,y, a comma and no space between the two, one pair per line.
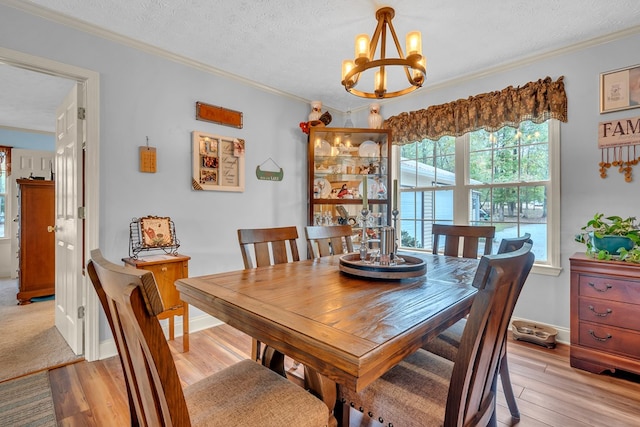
248,394
413,393
447,343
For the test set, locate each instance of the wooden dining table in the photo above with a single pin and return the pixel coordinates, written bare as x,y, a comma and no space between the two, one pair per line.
345,329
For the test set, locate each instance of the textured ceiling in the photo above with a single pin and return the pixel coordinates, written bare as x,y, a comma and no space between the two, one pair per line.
297,47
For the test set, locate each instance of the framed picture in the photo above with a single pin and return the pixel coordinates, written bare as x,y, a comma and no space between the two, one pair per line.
156,232
620,89
218,162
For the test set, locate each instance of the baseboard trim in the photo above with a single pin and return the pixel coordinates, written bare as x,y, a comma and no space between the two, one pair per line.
107,348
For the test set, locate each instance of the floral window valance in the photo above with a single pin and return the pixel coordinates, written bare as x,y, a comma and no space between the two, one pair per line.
5,157
535,101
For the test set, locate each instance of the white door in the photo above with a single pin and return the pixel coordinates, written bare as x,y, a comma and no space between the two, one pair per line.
24,163
68,178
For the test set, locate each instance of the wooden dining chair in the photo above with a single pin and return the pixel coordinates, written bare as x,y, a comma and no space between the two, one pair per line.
243,394
470,235
268,246
447,343
428,390
104,301
330,240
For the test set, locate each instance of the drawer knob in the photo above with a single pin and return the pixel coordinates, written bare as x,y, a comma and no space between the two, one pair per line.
593,285
605,314
163,269
597,338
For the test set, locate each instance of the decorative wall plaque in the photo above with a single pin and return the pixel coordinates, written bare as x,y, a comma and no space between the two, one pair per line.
219,115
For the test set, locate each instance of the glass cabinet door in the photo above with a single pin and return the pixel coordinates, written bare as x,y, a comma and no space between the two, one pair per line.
343,163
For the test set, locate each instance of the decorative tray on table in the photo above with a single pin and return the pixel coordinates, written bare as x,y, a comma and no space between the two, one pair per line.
407,266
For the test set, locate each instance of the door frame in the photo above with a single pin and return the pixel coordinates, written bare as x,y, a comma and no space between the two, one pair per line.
91,79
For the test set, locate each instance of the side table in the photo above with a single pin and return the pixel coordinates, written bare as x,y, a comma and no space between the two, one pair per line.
166,270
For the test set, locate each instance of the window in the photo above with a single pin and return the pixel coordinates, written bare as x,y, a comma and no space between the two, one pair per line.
508,179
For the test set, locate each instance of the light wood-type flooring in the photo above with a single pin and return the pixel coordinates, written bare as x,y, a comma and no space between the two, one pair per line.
549,392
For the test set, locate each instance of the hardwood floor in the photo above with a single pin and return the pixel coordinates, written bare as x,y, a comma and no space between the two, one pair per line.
549,392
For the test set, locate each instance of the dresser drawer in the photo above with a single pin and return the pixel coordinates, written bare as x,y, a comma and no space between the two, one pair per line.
612,313
609,339
623,290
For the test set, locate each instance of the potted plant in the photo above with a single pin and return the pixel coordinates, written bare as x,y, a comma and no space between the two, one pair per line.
612,236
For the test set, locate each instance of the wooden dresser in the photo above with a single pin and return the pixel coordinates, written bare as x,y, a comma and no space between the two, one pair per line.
36,252
166,270
605,315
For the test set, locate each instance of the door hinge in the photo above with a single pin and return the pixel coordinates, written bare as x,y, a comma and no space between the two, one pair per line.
82,112
81,312
82,211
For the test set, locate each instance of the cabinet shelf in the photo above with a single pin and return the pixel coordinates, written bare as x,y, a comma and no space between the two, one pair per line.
350,201
337,167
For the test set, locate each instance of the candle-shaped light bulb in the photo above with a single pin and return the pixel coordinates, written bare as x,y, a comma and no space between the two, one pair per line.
362,48
380,81
414,43
347,66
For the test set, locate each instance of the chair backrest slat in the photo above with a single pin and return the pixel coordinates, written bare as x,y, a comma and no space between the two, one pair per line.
132,305
499,280
330,240
470,236
269,246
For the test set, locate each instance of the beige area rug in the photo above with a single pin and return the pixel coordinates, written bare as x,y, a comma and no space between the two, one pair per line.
29,340
27,401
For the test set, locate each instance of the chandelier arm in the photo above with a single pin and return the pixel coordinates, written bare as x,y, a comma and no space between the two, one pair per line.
395,39
373,45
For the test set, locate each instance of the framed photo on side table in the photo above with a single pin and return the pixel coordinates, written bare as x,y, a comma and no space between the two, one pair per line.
156,232
620,89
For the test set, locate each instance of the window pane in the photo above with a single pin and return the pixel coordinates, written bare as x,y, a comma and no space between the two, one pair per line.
428,163
535,162
513,210
480,166
419,211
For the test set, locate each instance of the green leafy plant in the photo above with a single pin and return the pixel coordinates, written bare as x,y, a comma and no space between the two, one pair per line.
600,227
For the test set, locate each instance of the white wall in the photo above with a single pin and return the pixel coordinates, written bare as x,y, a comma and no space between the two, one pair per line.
143,95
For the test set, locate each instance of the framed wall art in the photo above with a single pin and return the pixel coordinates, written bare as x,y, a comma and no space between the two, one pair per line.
218,162
620,89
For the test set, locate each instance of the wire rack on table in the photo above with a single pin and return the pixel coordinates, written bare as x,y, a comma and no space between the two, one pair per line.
138,243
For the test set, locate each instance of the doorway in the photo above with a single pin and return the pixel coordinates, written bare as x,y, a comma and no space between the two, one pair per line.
89,228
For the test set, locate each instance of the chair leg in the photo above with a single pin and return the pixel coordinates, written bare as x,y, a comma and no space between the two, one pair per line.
342,413
274,360
508,390
255,350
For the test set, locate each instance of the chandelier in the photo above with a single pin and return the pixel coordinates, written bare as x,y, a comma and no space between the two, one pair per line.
414,64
